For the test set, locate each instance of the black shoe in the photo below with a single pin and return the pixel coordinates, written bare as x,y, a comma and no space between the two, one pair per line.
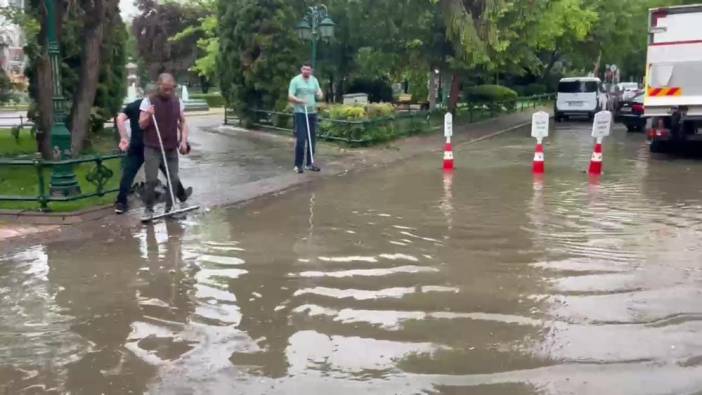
120,208
312,168
188,193
298,170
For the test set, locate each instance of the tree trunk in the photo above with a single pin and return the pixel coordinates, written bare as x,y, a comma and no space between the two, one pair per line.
93,34
552,62
45,110
433,89
455,94
596,65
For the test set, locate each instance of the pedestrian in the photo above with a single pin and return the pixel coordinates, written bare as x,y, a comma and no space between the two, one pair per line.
169,112
303,93
133,145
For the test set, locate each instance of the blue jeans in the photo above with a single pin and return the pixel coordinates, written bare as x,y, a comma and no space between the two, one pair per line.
301,135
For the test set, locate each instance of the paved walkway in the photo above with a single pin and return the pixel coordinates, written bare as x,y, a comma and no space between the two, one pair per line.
231,165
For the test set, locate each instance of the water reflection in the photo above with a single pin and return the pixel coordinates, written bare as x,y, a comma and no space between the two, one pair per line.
488,281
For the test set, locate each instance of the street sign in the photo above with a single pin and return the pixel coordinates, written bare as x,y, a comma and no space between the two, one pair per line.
602,124
448,125
539,125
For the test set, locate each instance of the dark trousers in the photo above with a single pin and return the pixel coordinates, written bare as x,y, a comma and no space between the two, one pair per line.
302,138
153,161
132,163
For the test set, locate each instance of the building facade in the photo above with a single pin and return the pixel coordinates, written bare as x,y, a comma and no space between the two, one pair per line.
12,41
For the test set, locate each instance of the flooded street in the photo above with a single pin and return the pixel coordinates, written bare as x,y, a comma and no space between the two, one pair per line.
395,281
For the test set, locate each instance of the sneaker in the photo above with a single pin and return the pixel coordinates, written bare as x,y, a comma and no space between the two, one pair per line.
148,215
188,193
120,208
312,168
298,170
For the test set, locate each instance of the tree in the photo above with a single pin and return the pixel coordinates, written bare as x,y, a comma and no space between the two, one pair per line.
206,34
257,53
100,16
153,30
82,34
470,28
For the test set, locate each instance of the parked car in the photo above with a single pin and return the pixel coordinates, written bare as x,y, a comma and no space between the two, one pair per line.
579,96
624,91
631,113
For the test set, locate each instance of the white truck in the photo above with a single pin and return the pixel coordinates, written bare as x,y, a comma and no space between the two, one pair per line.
673,100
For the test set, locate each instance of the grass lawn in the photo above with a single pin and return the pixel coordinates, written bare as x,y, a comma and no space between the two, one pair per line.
23,180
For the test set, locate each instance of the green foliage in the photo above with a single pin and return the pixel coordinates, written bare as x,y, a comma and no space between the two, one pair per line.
167,35
111,88
418,84
379,110
258,53
5,88
345,112
490,93
213,100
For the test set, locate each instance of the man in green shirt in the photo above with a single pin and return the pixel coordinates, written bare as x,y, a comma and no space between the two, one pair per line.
303,93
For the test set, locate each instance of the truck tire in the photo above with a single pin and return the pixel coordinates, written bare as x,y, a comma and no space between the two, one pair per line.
658,147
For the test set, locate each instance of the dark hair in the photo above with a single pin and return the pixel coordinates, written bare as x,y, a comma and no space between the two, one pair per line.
307,64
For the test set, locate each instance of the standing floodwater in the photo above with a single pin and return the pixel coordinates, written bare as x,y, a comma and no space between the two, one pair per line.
401,280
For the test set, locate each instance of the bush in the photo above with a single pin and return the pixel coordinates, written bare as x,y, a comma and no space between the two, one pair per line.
378,90
490,93
212,99
346,112
373,123
380,110
535,89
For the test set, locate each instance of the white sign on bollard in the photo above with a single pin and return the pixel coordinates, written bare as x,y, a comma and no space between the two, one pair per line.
539,125
448,124
602,125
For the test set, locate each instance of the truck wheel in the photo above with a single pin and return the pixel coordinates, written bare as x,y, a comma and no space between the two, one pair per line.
631,128
558,117
658,147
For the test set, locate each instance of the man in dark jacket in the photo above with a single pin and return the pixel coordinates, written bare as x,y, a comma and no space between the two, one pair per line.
133,145
168,110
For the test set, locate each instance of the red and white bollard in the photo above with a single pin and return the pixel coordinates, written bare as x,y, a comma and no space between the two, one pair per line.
601,128
538,166
448,149
596,161
448,155
540,122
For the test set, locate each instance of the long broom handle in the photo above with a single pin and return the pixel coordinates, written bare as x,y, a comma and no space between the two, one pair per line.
309,135
163,155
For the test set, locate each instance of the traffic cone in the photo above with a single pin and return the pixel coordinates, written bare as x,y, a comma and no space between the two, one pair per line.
538,166
596,161
448,157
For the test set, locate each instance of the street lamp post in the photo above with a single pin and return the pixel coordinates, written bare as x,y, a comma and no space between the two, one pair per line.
63,179
315,25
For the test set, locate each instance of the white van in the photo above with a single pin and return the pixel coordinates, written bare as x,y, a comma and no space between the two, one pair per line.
579,96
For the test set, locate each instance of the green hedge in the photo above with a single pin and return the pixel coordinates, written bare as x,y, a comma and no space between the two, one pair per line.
373,123
490,93
212,99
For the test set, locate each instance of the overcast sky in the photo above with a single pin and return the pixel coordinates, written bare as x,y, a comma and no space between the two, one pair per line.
127,8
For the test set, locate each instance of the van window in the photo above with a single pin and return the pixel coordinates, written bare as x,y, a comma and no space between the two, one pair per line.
577,87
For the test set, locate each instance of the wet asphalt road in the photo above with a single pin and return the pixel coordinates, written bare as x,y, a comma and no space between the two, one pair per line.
401,280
